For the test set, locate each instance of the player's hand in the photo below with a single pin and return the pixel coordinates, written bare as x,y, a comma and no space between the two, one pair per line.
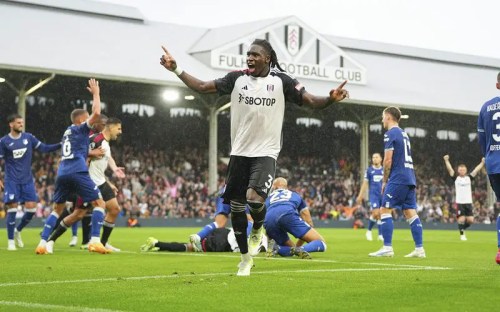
120,172
113,187
483,160
337,95
167,60
1,186
446,157
97,152
93,86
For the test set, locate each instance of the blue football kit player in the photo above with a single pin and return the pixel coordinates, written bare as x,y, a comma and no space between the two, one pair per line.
398,186
488,128
373,182
16,148
73,174
284,212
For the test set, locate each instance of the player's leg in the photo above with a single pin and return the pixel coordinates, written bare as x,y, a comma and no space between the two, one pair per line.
391,199
262,172
235,194
495,185
61,228
11,225
461,220
11,200
279,241
374,217
30,198
221,216
410,213
294,225
50,224
113,210
469,217
74,234
90,193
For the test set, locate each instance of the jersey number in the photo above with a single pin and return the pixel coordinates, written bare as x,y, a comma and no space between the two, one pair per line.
281,195
66,150
408,158
496,137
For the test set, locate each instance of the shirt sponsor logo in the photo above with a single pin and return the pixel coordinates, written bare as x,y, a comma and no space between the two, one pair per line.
18,153
250,100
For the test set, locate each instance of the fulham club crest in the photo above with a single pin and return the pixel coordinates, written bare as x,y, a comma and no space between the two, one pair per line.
293,39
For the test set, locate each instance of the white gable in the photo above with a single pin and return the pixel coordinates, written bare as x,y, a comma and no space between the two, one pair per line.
301,51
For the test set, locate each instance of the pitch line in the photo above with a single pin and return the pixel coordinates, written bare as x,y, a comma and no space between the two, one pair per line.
140,278
38,306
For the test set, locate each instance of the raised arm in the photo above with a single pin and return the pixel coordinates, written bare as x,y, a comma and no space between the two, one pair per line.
168,61
96,101
478,167
318,102
448,165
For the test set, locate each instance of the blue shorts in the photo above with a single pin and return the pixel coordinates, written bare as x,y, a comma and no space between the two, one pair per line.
79,183
222,208
279,225
399,196
19,193
375,203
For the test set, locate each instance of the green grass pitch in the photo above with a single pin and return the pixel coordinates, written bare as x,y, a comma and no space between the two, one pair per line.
455,276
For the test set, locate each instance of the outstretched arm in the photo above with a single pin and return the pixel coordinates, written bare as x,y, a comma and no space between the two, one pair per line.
47,148
119,171
478,167
448,165
96,101
192,82
318,102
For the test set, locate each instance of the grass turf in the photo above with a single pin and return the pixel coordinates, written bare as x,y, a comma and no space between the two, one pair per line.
455,276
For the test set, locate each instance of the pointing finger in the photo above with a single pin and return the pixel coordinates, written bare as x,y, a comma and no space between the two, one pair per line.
341,85
165,49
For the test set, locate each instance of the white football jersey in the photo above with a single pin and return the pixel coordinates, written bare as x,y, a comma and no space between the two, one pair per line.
98,166
463,189
258,109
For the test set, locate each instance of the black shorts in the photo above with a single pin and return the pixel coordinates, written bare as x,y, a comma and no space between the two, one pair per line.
464,210
248,172
217,241
106,191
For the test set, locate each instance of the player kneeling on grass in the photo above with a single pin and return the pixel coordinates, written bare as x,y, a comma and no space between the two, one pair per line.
282,217
219,240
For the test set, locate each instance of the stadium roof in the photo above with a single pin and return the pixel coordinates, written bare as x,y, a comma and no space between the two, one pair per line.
86,38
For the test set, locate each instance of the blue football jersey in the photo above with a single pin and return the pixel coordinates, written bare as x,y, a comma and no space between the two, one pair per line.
402,172
374,176
488,127
285,200
75,149
17,153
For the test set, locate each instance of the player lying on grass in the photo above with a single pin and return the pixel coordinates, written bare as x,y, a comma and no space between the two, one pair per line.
283,217
219,240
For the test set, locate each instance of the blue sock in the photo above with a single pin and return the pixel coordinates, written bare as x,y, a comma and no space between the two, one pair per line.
371,223
416,231
74,229
498,230
206,230
11,222
97,222
386,228
249,228
378,227
50,224
28,215
285,251
315,246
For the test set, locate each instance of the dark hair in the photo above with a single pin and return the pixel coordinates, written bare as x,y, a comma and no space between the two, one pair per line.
498,77
13,117
113,121
77,113
394,112
267,46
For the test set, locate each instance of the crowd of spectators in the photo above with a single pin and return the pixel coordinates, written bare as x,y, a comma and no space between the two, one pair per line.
166,184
